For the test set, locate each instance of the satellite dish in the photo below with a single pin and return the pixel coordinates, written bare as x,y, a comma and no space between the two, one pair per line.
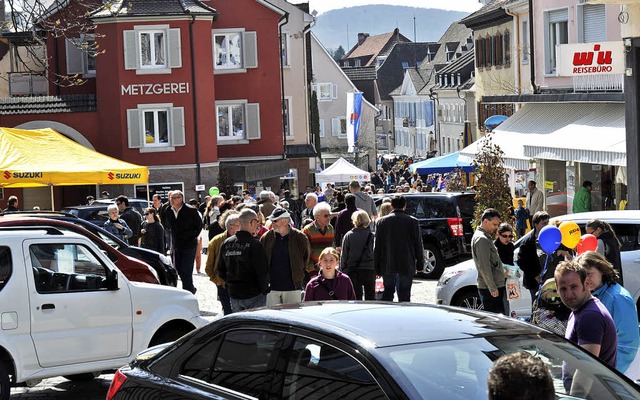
494,121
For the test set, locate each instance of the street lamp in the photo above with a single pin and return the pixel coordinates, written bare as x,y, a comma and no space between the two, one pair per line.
433,95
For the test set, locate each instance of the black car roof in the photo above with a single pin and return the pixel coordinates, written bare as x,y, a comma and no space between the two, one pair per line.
380,324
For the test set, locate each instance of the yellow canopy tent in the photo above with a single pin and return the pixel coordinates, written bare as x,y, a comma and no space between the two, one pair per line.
44,157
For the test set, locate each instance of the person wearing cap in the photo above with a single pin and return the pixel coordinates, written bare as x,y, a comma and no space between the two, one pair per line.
363,200
287,251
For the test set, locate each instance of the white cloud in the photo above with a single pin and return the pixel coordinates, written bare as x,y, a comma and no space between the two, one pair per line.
454,5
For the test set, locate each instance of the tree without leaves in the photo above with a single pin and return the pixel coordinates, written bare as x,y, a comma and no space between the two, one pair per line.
37,23
225,182
492,190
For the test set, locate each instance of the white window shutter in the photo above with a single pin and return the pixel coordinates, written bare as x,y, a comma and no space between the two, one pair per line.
175,48
250,49
134,129
74,56
335,126
334,91
253,121
177,127
321,127
130,46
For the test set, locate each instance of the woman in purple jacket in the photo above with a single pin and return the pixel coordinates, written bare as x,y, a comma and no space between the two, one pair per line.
329,284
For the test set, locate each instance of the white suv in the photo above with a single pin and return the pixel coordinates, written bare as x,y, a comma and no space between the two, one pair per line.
65,309
458,287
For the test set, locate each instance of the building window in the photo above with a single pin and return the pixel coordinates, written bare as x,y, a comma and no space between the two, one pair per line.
81,56
152,49
228,54
288,119
357,63
326,91
525,42
506,40
235,50
339,127
284,49
487,51
497,40
592,23
556,33
237,121
156,127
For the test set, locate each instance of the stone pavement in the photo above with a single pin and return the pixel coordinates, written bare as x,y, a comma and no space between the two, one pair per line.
423,291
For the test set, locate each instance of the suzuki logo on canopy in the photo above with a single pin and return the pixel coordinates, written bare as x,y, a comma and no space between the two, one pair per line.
22,175
580,59
118,175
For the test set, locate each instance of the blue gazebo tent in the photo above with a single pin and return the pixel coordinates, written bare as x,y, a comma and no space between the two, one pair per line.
441,165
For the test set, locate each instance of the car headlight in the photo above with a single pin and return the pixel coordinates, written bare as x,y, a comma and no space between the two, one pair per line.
165,259
448,275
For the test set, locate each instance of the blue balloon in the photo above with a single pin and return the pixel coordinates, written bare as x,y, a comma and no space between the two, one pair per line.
550,238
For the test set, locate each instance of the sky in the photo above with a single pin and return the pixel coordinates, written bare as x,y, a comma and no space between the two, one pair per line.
453,5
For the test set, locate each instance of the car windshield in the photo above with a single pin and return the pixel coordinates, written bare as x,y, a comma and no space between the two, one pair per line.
459,368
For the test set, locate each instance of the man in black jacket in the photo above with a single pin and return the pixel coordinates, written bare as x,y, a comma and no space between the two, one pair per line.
131,216
398,251
186,225
528,259
243,265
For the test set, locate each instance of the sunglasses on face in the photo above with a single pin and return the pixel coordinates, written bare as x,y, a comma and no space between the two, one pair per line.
507,236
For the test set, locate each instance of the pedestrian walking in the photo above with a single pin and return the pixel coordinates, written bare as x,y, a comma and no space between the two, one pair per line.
151,231
231,220
186,225
287,250
329,283
398,251
243,265
356,259
491,280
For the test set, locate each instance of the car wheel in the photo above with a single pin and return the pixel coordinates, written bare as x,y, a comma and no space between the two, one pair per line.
468,299
5,383
87,376
433,262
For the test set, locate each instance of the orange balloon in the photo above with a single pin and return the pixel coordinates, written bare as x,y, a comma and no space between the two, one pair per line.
587,242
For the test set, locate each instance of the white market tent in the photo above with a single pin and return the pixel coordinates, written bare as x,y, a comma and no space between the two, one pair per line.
343,171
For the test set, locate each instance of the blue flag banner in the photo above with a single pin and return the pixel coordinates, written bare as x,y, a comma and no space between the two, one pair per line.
354,108
428,113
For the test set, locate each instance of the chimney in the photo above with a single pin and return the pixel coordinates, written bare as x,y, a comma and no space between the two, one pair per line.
362,37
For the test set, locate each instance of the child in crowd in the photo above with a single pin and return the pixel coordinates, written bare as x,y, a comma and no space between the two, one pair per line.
329,284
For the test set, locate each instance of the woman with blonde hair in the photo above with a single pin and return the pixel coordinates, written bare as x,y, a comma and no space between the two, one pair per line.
357,256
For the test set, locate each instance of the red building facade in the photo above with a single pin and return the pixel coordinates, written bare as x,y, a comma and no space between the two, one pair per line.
184,87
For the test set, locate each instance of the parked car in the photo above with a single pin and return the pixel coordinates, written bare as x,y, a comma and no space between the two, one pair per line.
445,223
161,263
457,286
68,310
134,269
353,350
96,213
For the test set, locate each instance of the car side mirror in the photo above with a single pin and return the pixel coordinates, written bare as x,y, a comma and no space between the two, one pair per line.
112,280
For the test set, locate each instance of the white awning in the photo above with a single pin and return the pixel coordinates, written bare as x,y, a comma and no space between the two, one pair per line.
584,132
596,135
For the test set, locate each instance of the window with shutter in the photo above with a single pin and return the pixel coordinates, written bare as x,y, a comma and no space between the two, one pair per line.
288,117
335,127
156,127
152,49
334,91
507,48
593,23
556,32
253,121
324,91
250,50
234,50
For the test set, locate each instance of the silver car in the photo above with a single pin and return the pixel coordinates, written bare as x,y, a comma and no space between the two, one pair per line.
457,285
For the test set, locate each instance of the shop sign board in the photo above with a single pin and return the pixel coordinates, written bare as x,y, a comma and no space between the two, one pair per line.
580,59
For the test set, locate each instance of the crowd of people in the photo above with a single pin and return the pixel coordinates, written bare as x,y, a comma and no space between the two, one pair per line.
579,296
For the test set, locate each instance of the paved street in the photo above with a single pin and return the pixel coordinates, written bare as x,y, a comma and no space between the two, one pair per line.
423,291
